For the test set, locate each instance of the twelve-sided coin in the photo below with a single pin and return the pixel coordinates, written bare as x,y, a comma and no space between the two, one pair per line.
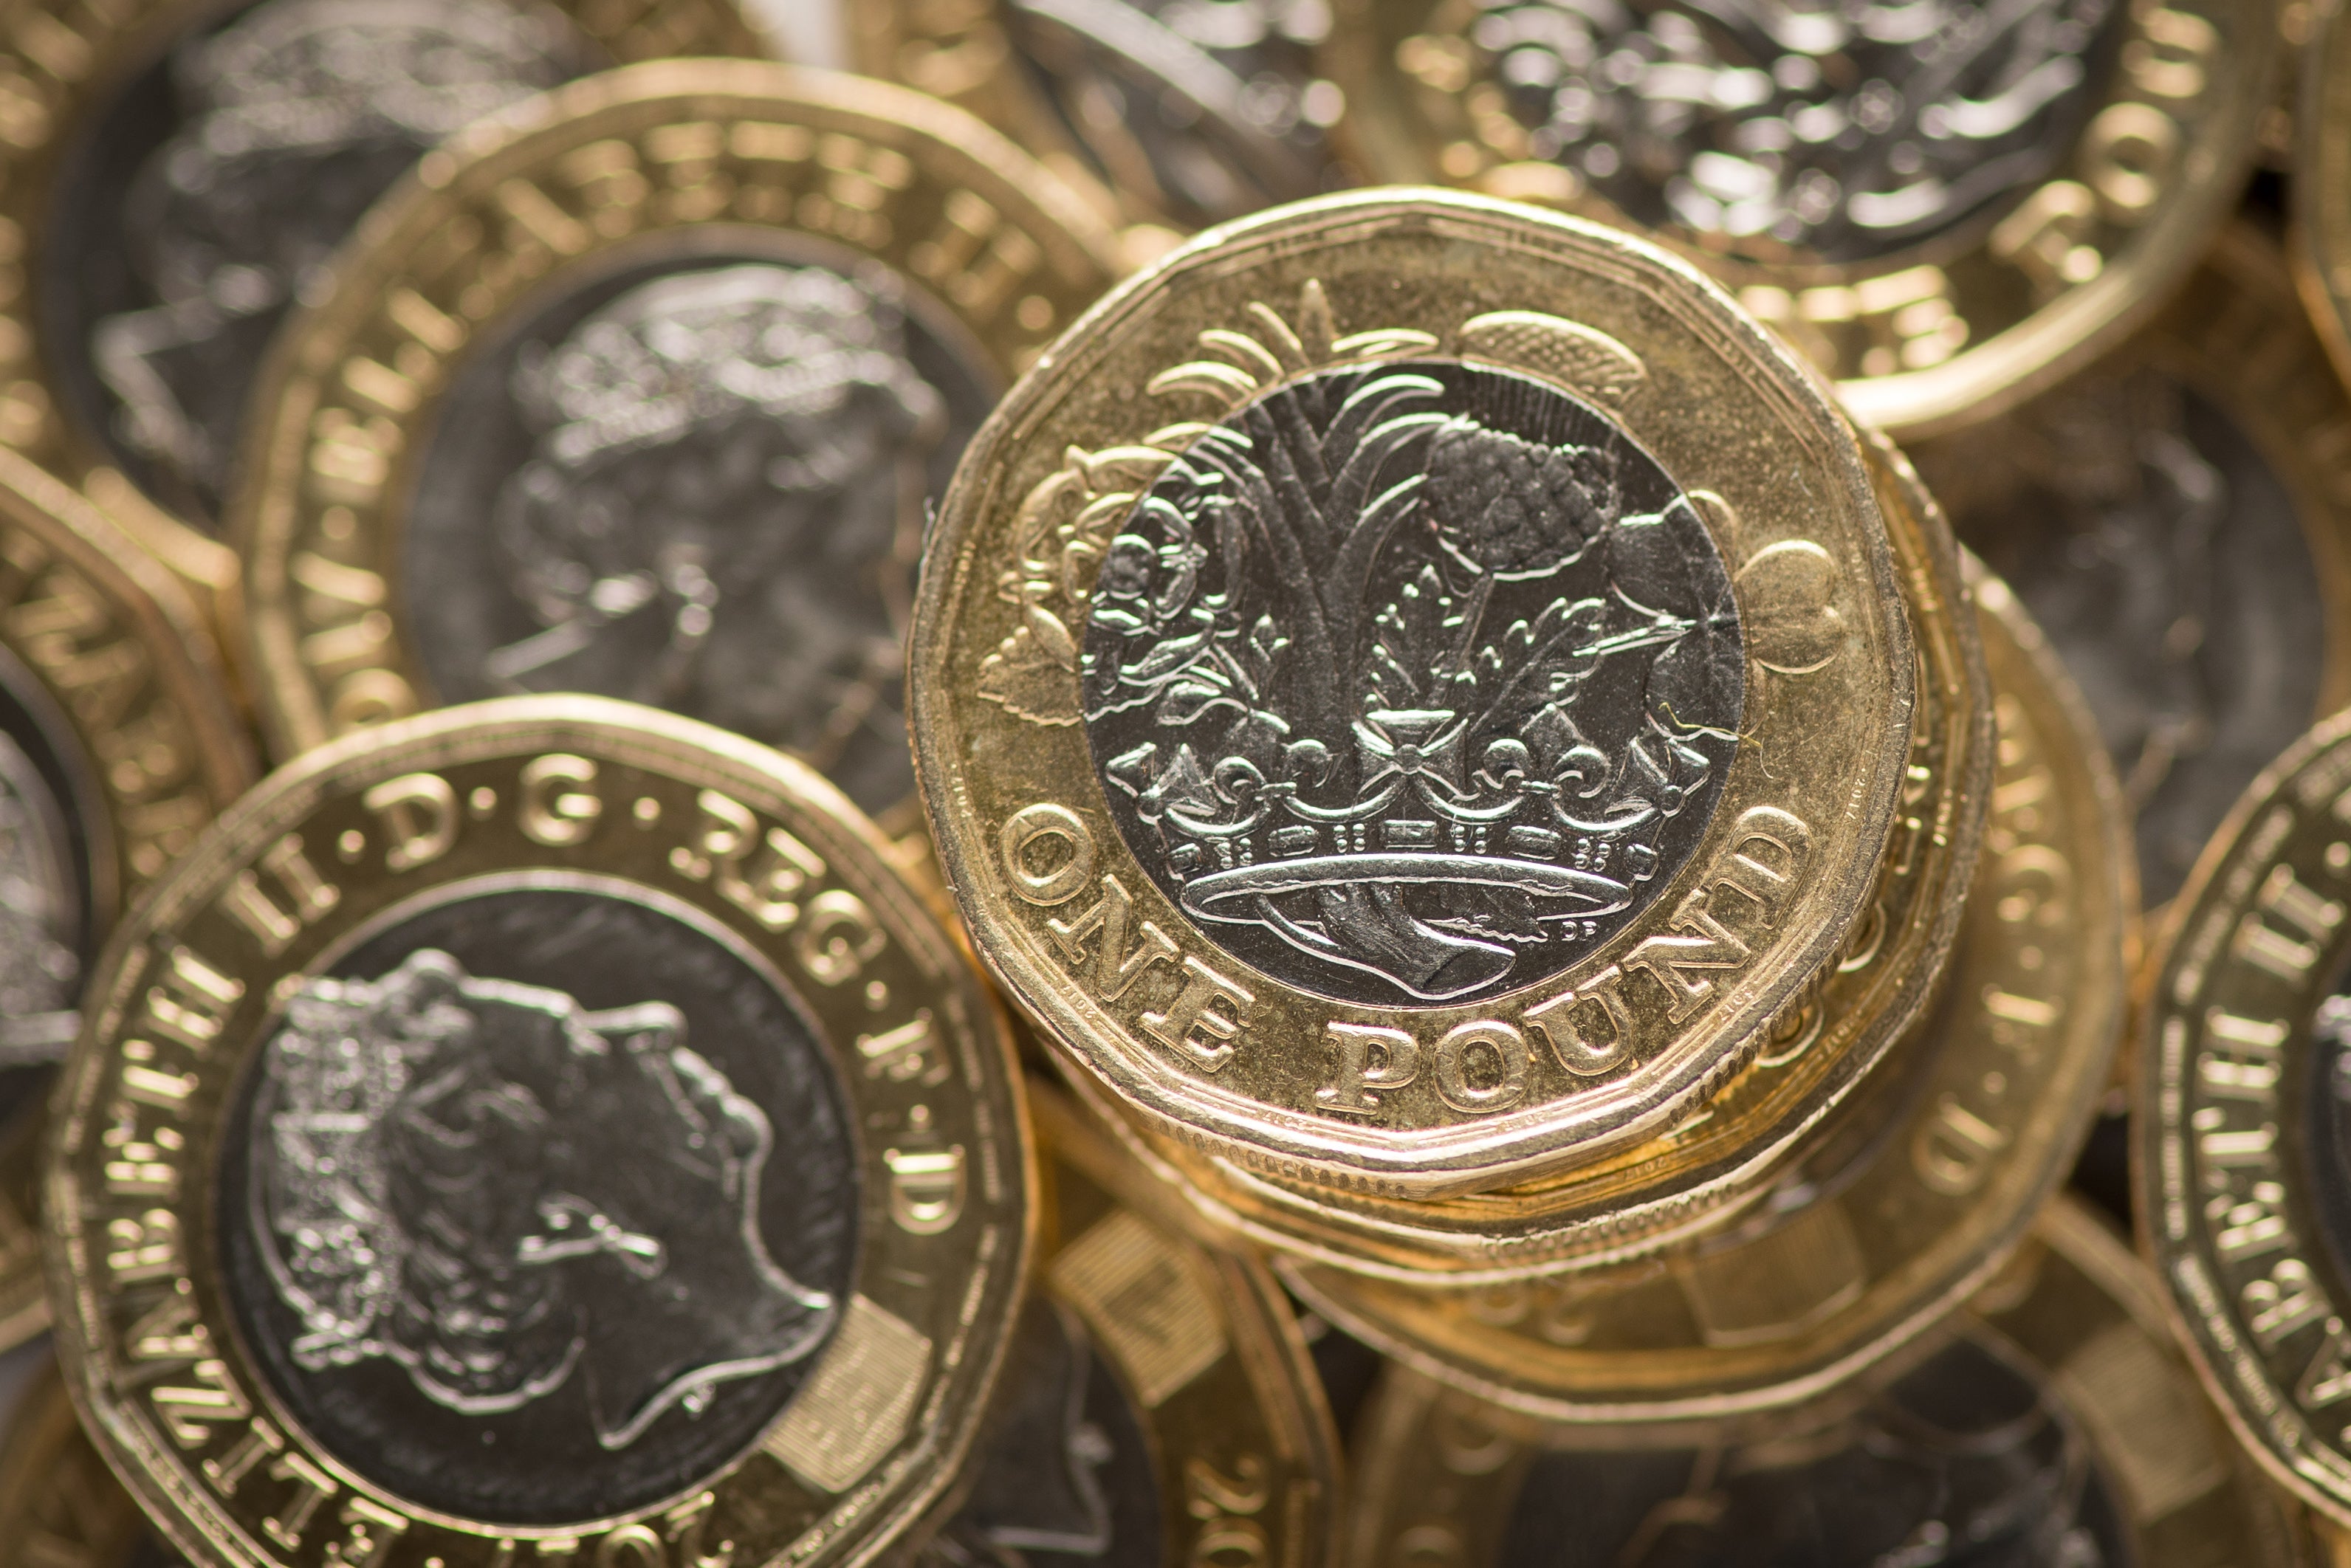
1412,688
545,1128
643,394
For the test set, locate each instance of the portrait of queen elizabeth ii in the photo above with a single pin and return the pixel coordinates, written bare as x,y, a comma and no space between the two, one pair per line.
499,1191
721,510
295,117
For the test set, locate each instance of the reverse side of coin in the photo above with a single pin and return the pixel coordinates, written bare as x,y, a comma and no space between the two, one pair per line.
1376,708
2178,520
644,395
177,171
1736,1147
2239,1115
1163,114
2054,1423
1158,1407
547,1127
1947,206
117,743
1870,1257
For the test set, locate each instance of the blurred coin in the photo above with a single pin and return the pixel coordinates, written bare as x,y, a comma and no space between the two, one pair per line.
2178,518
2321,178
117,743
1379,714
1850,1265
1157,1405
176,171
1946,205
1187,112
2243,1147
1737,1147
60,1506
549,1122
644,395
2053,1424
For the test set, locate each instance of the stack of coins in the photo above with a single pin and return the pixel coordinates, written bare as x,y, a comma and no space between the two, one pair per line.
1257,783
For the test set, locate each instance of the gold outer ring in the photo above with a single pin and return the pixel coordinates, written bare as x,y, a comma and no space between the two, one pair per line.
1944,332
758,850
1233,1061
581,179
1733,1150
1439,1471
122,659
1772,1313
63,59
2233,1186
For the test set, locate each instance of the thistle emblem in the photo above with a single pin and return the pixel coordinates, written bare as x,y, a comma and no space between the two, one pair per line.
1409,678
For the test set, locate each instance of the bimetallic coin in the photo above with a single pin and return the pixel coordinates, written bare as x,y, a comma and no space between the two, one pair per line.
1163,112
548,1126
2053,1425
1846,1266
1381,711
117,743
644,395
180,171
1945,205
1158,1406
2178,520
2243,1154
1732,1151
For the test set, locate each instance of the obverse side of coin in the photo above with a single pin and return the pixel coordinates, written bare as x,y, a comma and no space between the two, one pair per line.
1413,690
178,170
1947,207
2241,1115
1776,1312
1163,113
1734,1148
546,1128
1158,1407
117,745
644,395
2055,1423
2178,518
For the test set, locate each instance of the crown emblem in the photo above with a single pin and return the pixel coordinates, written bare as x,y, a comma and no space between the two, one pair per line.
1416,670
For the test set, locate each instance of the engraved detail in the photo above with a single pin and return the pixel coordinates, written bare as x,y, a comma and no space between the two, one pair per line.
1586,361
858,1402
301,113
1414,680
723,509
1843,134
371,1085
1136,1291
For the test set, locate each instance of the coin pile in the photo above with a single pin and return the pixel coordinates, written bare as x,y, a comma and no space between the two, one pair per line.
1005,789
